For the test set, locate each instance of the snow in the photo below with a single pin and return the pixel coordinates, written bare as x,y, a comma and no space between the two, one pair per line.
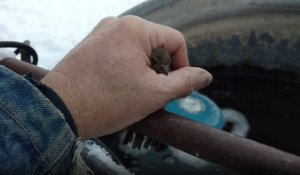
104,159
54,27
128,147
188,159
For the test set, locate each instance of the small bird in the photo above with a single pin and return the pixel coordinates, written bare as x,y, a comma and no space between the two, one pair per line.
160,60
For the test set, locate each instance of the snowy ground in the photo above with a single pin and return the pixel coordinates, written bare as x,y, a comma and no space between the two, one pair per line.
55,26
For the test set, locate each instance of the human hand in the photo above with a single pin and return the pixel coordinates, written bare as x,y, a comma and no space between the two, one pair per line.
106,80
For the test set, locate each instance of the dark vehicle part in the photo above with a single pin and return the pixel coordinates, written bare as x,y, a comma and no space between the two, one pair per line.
252,48
152,156
28,54
215,145
22,68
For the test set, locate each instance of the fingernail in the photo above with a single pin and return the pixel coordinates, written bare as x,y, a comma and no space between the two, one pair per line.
209,79
206,79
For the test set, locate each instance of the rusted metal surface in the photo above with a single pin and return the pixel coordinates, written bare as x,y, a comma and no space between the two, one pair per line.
244,155
184,14
22,67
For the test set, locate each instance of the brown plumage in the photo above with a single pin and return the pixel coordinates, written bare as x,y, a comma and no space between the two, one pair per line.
160,60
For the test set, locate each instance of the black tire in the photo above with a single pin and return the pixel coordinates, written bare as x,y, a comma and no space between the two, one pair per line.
207,24
253,50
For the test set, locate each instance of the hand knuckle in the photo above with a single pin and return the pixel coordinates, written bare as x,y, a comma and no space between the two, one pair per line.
133,26
130,20
180,35
107,20
177,33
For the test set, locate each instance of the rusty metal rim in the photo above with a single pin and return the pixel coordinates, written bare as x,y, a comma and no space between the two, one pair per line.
212,12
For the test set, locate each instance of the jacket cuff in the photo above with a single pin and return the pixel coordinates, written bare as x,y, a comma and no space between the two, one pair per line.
55,99
38,130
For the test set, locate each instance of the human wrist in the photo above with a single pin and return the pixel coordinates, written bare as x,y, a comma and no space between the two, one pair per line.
55,99
62,86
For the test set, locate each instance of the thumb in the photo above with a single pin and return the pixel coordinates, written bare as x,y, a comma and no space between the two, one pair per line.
183,81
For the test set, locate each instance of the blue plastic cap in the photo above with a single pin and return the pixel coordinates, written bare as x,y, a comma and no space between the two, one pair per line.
199,108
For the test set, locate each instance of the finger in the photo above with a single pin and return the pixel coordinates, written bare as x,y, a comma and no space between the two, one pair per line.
183,81
159,36
173,41
180,57
105,25
107,21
